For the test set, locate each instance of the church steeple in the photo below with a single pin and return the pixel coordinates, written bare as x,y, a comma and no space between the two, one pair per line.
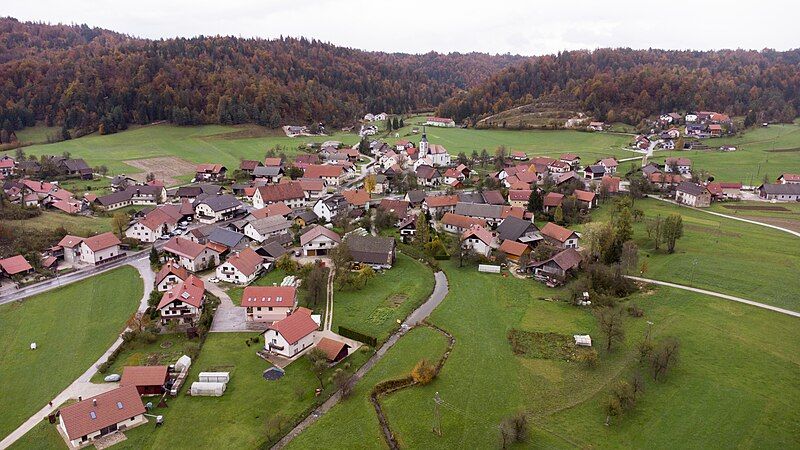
423,144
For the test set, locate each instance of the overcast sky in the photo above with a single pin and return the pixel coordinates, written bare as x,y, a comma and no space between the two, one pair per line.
499,26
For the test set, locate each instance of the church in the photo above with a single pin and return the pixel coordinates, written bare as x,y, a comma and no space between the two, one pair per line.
436,154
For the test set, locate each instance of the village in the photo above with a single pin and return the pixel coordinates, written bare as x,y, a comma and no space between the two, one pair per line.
265,247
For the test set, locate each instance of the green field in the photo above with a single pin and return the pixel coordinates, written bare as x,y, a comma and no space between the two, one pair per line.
760,151
200,144
786,214
722,255
388,297
72,327
79,225
37,134
729,389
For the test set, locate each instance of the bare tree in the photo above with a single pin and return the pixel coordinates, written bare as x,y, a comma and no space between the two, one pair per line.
610,322
664,357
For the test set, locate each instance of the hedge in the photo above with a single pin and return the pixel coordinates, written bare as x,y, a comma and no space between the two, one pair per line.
357,336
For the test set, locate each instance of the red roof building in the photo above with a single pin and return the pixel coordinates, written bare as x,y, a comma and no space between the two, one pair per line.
102,414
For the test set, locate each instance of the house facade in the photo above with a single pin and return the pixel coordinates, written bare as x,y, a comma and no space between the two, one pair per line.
268,304
290,336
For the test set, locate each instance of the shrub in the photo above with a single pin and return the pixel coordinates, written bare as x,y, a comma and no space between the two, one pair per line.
588,358
424,372
103,367
635,311
192,350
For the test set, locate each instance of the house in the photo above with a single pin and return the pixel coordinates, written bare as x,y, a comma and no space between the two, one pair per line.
440,122
514,250
275,209
428,176
369,117
493,197
193,191
248,165
408,227
291,194
568,177
552,200
415,197
357,198
596,126
330,207
121,182
594,172
519,197
304,218
71,246
314,188
665,180
270,174
479,239
318,241
610,184
693,194
333,350
559,167
15,265
291,335
7,166
516,229
492,214
397,207
586,199
780,192
376,251
572,159
260,229
148,380
221,239
457,223
74,167
100,248
789,178
330,174
559,266
267,304
216,208
271,251
210,172
169,275
116,410
155,224
609,164
453,175
559,236
241,268
437,205
678,165
715,129
191,255
183,302
132,195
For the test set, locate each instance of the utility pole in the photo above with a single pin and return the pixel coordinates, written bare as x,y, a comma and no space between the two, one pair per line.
437,415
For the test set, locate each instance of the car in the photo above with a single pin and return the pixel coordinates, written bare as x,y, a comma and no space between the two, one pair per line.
213,280
112,378
163,237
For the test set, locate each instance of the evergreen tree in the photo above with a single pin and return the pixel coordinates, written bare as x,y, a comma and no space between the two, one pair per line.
535,201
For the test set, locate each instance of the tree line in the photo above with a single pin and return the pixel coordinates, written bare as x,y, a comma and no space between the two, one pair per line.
629,85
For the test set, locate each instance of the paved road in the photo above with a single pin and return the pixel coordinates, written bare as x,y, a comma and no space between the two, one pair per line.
83,387
754,222
717,294
439,293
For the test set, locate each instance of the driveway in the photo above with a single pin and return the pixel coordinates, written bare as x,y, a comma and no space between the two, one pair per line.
229,318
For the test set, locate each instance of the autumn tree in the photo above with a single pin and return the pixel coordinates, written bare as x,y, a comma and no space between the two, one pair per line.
369,183
673,230
120,222
319,364
423,372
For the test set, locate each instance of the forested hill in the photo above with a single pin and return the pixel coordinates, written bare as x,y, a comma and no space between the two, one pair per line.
82,78
629,85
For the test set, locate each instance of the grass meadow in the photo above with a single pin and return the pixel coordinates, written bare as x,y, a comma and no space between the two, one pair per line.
72,327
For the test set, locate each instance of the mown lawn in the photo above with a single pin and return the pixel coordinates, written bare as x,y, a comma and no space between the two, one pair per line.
390,296
759,152
733,387
722,255
72,326
239,417
74,224
200,144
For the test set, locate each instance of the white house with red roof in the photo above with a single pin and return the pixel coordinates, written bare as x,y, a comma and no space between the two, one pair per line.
290,336
318,241
91,250
268,304
169,275
241,268
559,236
191,255
183,302
440,122
116,410
480,240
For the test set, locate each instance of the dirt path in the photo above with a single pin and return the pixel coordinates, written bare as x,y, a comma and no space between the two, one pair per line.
83,387
439,293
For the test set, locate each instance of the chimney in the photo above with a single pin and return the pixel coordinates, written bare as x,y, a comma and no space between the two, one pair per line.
94,402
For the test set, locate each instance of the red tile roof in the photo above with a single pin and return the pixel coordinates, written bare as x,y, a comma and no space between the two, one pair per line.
285,296
209,168
612,183
171,269
553,199
247,261
112,407
438,201
280,192
15,264
272,162
556,232
323,171
356,197
184,247
519,194
143,376
101,241
584,196
459,221
275,209
331,348
70,241
190,291
790,176
479,232
295,327
513,248
569,157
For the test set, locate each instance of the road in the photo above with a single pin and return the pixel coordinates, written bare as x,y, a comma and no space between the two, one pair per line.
439,293
83,387
754,222
717,294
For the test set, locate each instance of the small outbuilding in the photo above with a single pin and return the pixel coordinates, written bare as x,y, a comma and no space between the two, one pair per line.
207,389
149,380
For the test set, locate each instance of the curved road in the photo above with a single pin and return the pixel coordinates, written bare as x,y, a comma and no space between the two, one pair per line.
83,387
418,315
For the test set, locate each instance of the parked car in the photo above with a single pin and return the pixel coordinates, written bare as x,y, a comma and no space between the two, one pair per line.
163,237
112,378
213,280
